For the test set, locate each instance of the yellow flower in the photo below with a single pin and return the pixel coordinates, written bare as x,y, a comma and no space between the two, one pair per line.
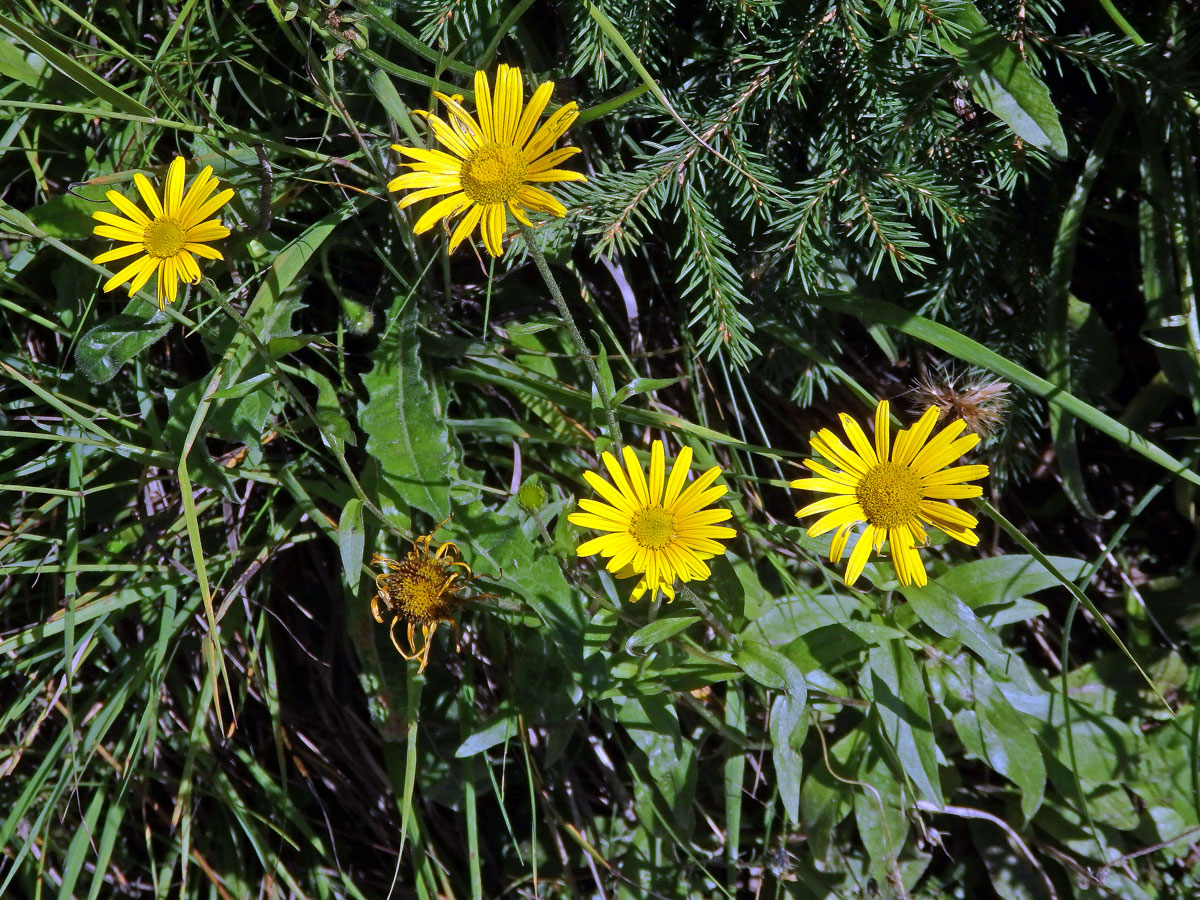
493,163
655,527
895,494
421,589
179,228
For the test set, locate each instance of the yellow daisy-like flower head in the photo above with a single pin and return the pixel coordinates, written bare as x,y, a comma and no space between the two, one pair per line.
655,526
893,493
494,163
178,227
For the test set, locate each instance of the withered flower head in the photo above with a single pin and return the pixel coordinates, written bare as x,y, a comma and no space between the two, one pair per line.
980,402
421,589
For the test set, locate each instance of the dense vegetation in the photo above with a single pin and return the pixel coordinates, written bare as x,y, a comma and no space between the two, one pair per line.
792,210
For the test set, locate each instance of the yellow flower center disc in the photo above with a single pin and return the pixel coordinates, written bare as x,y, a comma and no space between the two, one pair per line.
890,495
653,528
164,238
417,591
493,173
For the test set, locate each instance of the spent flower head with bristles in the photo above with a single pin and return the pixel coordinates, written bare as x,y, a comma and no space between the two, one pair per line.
495,160
980,402
421,589
177,230
893,489
655,527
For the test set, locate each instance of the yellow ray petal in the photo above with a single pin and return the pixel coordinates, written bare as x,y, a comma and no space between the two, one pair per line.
212,230
425,194
173,193
537,103
117,234
551,130
858,556
118,253
123,276
910,441
202,250
208,207
128,207
883,425
148,266
201,189
494,222
466,225
539,201
556,175
657,472
148,196
451,206
483,105
679,473
550,160
613,495
637,478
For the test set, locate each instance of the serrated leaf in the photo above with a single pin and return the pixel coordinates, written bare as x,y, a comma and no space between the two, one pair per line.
1003,82
903,709
351,540
407,435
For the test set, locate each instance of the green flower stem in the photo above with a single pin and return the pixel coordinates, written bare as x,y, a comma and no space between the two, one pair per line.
711,619
290,386
539,258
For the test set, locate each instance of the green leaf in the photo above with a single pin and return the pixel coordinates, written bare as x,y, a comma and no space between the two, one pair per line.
772,669
946,614
385,92
657,632
351,540
900,702
102,351
70,215
998,735
879,813
502,727
642,386
407,435
986,583
653,725
1003,82
531,574
788,724
14,65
